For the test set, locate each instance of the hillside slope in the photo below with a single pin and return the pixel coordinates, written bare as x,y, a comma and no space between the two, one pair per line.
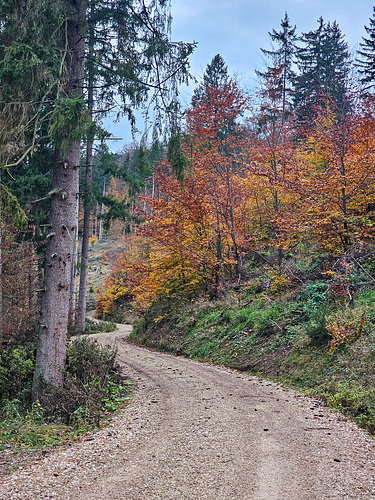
283,337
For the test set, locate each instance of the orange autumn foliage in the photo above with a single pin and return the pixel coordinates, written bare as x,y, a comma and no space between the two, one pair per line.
126,284
332,179
196,229
246,192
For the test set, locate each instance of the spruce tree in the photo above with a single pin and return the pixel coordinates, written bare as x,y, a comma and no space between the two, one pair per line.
366,59
324,64
277,81
215,77
66,131
276,103
29,76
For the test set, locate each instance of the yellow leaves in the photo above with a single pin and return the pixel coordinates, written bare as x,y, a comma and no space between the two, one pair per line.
334,181
278,282
343,331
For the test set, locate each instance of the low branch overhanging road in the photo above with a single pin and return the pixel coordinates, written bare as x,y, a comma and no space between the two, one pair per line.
195,431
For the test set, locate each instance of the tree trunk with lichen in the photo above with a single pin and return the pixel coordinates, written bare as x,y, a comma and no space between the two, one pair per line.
51,350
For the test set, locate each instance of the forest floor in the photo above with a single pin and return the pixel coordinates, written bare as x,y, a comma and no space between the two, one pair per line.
198,431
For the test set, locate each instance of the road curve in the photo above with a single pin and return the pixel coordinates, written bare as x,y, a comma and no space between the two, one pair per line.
196,431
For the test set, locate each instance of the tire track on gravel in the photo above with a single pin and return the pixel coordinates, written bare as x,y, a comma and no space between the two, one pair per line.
204,432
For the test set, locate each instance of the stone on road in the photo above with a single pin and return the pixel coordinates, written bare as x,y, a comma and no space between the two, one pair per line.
196,431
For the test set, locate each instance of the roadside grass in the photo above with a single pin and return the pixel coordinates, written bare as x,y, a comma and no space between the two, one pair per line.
304,337
94,388
28,434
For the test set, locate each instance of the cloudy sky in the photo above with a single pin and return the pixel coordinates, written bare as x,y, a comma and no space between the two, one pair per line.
237,29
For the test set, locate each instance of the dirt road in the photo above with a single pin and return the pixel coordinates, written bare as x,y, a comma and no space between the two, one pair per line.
194,431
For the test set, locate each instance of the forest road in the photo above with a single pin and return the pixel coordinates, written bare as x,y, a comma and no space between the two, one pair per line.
196,431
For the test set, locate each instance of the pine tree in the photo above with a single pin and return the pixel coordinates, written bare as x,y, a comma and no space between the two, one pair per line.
324,64
366,60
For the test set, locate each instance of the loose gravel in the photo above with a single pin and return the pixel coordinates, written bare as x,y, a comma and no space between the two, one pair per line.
195,431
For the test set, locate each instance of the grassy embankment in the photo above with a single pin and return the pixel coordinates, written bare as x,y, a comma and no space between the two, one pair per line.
279,326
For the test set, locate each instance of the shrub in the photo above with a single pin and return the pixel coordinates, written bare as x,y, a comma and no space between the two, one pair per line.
316,308
279,282
313,295
16,373
343,331
92,385
316,328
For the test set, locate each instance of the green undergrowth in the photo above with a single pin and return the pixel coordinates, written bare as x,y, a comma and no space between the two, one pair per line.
285,336
92,327
94,387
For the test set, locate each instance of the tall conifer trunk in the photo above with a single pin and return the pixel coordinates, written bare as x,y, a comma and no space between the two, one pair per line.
73,279
81,312
51,351
100,237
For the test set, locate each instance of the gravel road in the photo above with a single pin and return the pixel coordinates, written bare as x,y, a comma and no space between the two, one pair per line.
195,431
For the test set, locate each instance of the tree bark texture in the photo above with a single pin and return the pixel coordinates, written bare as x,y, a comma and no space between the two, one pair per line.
81,312
73,278
51,350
